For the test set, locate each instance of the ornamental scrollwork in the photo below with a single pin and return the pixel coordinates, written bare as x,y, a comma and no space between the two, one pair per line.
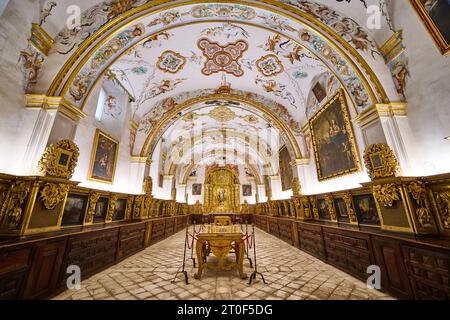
137,206
443,203
349,204
60,159
112,207
386,194
296,187
93,199
129,208
148,186
330,202
380,161
314,208
306,207
11,211
418,193
53,194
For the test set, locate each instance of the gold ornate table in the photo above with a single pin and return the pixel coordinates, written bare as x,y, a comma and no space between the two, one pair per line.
220,240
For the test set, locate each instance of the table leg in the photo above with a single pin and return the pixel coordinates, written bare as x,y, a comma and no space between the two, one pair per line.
200,258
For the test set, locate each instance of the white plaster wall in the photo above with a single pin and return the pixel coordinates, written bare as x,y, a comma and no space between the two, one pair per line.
16,123
84,138
428,94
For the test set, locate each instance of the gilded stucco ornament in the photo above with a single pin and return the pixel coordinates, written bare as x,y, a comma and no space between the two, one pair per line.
93,198
60,159
443,203
330,201
315,210
380,161
386,194
296,187
112,207
11,211
349,204
148,186
306,207
52,194
418,193
129,208
138,200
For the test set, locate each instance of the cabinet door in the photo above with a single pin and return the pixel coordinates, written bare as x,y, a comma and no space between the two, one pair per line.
45,269
389,257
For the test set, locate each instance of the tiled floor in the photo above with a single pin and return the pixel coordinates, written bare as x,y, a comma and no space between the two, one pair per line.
290,273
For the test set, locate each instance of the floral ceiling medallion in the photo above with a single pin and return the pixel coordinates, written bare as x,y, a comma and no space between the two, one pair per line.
222,58
270,65
222,114
171,62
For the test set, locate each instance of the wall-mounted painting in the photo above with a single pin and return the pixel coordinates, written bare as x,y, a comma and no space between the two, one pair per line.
334,144
435,15
119,209
247,190
285,169
101,209
366,210
74,210
196,189
104,158
324,210
341,210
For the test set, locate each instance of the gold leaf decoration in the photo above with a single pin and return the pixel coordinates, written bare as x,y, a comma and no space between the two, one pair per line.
443,202
329,200
386,194
129,208
11,211
112,207
380,161
296,187
52,194
418,193
93,198
349,204
60,159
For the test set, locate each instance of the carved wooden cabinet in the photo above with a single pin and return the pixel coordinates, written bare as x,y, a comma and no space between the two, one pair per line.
131,240
311,240
14,266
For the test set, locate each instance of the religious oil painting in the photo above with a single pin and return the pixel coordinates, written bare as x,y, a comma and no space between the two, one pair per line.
196,189
247,190
74,210
104,158
285,169
366,210
341,210
101,209
324,210
333,140
119,209
435,15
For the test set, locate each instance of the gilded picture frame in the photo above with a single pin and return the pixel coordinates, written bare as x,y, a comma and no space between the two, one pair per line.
105,152
434,14
335,149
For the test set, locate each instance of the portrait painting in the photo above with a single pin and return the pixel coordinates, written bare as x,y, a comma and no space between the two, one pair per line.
74,210
435,15
119,209
104,158
101,209
324,211
247,190
333,140
341,210
366,210
285,169
196,189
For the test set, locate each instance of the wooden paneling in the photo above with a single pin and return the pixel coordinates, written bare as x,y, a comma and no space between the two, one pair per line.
389,257
311,240
348,250
158,230
169,227
285,230
92,252
273,227
46,264
14,264
428,272
131,240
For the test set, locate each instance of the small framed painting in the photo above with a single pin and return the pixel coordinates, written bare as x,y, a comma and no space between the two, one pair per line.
247,190
196,189
103,158
435,15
